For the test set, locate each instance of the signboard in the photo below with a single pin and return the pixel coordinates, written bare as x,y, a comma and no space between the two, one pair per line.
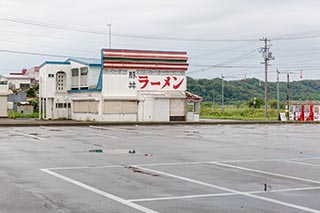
161,82
150,82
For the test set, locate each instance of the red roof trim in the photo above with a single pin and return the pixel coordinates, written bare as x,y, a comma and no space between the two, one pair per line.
144,51
145,56
193,97
145,68
146,63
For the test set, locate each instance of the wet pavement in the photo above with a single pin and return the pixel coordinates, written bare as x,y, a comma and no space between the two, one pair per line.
178,168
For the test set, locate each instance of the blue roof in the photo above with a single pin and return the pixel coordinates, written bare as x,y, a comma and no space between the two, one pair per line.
85,90
86,61
54,62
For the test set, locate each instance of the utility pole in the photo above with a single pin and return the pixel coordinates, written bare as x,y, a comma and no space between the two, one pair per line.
278,95
109,26
212,95
222,93
267,55
287,104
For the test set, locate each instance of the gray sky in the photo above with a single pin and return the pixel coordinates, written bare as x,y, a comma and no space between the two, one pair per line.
193,19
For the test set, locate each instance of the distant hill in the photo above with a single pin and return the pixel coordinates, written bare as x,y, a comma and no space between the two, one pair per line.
238,90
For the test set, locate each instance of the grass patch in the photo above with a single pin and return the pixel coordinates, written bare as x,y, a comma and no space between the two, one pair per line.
19,115
238,113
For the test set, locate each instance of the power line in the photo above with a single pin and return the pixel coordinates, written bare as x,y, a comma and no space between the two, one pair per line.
83,30
296,34
44,54
244,56
50,46
297,37
226,62
223,66
220,50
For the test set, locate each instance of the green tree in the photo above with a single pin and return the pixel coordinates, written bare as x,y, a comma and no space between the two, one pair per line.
30,92
255,102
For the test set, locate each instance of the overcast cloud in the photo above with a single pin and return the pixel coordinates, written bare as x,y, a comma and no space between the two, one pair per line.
195,19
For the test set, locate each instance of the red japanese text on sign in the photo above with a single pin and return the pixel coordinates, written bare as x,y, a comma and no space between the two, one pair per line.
162,83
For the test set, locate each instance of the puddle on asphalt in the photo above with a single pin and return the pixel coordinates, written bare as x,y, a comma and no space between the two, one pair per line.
34,133
137,170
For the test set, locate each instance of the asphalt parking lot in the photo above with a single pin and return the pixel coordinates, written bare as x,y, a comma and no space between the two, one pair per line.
181,168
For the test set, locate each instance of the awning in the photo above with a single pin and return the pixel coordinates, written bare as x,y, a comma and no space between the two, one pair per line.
163,94
192,97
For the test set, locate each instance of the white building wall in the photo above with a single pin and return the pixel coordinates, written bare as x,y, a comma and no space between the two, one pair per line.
4,88
48,84
16,81
117,86
33,73
3,100
3,106
104,117
36,75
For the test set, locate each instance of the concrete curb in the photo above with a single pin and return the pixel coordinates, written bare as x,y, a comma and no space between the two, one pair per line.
35,123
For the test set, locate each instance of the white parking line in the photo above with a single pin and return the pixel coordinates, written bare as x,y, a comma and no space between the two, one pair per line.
250,161
264,172
103,128
100,192
121,166
51,128
304,158
180,163
303,163
175,164
85,167
222,194
270,200
267,160
183,197
27,135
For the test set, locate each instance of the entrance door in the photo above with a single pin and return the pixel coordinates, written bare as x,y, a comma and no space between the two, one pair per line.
161,110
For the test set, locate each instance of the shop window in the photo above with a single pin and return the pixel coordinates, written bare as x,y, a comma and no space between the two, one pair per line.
177,118
85,106
120,107
63,105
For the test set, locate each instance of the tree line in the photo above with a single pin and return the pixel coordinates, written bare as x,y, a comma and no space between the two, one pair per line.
236,91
